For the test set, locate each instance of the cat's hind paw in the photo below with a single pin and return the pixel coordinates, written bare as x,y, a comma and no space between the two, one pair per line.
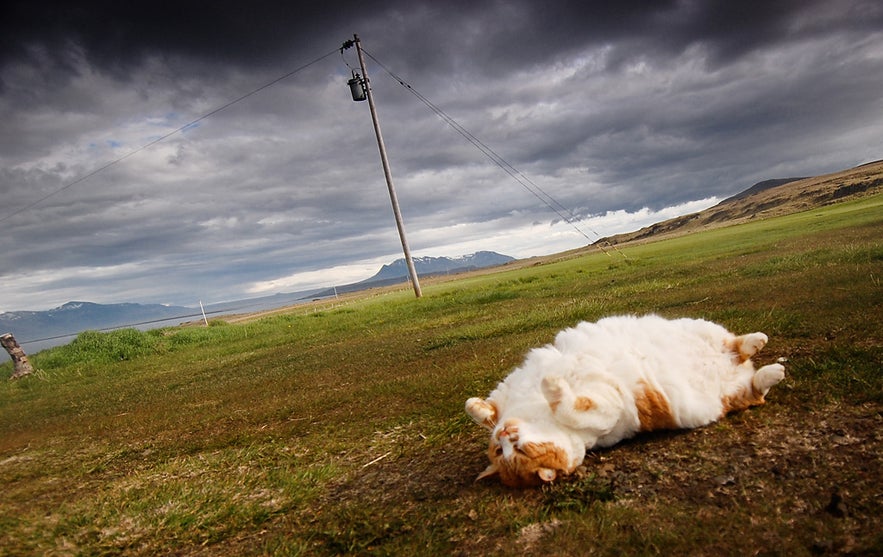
753,343
767,376
748,345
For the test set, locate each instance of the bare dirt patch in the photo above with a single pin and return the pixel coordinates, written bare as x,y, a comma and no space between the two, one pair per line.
805,481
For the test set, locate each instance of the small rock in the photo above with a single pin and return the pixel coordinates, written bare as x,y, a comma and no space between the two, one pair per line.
840,439
606,469
836,506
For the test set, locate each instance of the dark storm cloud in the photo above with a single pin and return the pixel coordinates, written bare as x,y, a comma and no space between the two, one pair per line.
617,109
115,35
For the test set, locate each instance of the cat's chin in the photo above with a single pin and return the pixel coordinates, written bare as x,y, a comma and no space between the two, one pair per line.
537,478
519,462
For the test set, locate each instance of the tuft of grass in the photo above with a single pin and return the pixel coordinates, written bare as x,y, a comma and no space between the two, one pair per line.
95,347
578,496
850,372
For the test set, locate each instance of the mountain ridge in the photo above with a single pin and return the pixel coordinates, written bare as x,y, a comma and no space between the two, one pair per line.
397,271
439,265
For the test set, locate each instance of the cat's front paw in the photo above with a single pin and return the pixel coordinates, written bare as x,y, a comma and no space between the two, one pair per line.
483,412
554,388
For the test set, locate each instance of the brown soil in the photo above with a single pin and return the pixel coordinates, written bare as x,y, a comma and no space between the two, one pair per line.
811,476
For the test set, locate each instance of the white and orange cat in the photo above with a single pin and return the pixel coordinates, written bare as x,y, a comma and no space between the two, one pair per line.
600,383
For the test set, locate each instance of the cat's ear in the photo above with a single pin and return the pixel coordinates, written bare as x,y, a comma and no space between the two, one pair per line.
491,470
546,474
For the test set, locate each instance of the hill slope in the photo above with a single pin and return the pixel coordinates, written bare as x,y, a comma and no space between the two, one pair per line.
767,199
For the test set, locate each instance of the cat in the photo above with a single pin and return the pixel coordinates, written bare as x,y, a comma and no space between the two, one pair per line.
599,383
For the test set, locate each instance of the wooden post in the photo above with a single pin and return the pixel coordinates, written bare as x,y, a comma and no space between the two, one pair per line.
19,358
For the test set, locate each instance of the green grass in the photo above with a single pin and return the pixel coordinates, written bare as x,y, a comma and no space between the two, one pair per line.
339,428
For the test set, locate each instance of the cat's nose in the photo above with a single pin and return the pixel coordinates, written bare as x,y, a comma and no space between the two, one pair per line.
509,430
508,433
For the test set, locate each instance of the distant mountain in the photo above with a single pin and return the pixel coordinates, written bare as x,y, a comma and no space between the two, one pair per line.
397,271
74,317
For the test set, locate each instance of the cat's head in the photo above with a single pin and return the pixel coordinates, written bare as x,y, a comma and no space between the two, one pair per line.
523,455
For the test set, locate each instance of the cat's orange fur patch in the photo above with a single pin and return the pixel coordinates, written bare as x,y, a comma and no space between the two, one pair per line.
583,404
653,409
742,400
735,346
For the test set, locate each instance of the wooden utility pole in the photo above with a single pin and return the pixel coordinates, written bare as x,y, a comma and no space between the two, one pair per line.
21,365
412,271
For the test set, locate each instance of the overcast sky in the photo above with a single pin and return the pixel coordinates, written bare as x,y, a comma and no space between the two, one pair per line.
625,113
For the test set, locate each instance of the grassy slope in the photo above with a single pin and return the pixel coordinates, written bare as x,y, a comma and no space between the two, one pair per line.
761,201
340,428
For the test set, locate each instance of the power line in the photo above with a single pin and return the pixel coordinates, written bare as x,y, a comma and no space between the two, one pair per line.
85,177
226,311
123,326
559,209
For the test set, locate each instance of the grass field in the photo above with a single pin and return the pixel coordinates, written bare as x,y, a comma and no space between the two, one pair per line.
339,427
